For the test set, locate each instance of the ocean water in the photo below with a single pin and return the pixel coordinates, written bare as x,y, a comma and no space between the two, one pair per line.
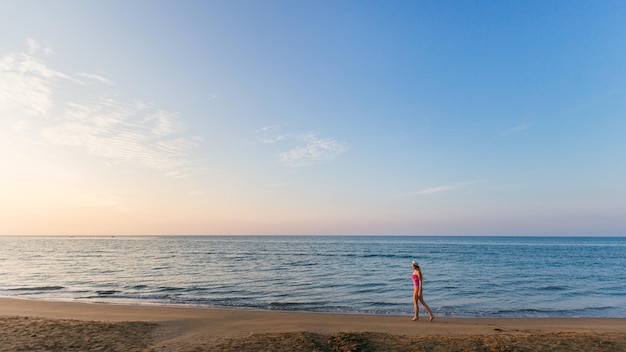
463,276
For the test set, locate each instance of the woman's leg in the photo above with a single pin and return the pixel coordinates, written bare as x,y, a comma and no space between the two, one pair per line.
415,306
421,299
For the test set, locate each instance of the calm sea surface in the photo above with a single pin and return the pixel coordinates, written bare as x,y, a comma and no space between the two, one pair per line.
464,276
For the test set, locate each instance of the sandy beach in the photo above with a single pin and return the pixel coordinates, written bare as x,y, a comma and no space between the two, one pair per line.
33,325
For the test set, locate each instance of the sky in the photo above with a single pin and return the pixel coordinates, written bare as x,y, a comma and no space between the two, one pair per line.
312,117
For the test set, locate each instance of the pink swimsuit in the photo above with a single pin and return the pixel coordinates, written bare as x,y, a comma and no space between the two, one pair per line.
416,280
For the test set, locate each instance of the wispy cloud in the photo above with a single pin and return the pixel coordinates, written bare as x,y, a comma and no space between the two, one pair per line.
427,191
35,48
95,77
26,84
125,132
132,132
268,135
312,150
438,189
304,148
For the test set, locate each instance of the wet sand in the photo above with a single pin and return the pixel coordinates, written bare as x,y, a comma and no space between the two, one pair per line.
34,325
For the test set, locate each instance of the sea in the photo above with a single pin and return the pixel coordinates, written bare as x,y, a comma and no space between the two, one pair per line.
463,276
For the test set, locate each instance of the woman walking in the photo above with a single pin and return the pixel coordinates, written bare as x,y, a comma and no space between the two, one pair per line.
417,292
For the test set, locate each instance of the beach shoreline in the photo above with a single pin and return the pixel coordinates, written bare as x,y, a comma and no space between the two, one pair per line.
185,328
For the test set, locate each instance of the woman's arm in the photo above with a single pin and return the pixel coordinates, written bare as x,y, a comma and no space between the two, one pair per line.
419,277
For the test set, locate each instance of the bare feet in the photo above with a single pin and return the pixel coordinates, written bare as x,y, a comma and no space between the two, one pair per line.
432,317
415,318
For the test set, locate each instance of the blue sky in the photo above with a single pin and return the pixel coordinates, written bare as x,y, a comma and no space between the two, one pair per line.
313,117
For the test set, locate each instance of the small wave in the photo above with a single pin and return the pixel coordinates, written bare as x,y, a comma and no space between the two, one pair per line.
554,288
529,312
284,305
141,298
170,289
370,289
363,255
40,288
106,292
302,263
463,311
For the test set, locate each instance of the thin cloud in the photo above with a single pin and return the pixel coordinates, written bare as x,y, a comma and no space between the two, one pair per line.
312,150
306,148
34,48
267,135
427,191
438,189
114,130
95,77
26,84
136,132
